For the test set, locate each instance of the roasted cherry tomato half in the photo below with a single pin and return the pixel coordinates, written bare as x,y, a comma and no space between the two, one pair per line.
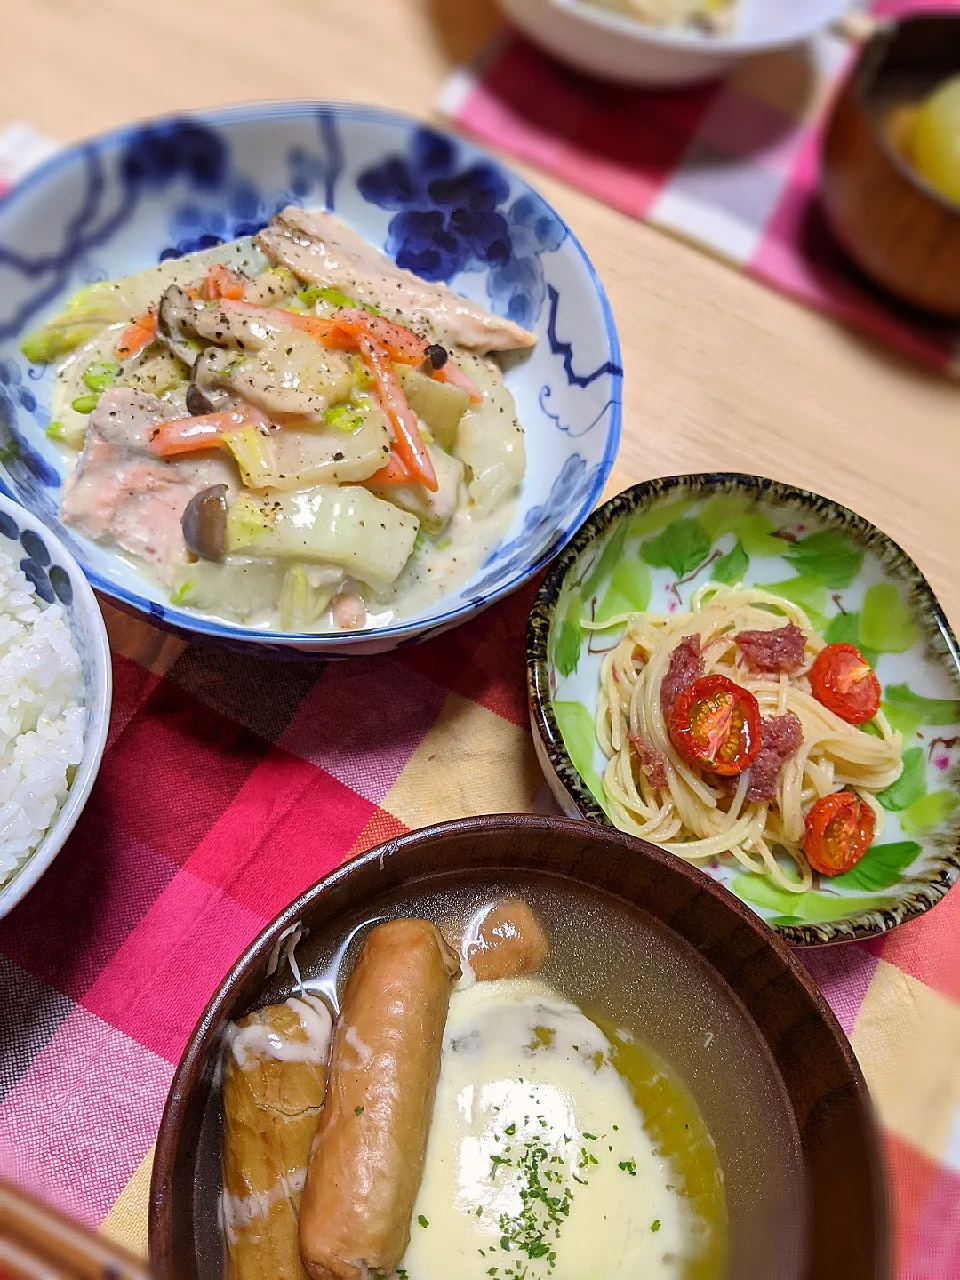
715,724
837,832
843,680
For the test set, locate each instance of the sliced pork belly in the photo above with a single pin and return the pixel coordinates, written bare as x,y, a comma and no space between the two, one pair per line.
320,249
121,493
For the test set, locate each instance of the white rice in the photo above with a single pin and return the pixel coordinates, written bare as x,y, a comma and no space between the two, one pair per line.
41,715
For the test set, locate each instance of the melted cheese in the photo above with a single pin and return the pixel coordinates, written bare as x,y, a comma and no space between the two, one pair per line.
537,1143
261,1042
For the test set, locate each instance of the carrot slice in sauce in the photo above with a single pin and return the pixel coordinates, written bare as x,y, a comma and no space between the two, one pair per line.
138,334
392,472
221,282
191,435
343,331
407,441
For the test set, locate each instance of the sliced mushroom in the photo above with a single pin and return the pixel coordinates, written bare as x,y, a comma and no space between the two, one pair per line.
176,327
435,358
211,400
204,522
290,374
232,327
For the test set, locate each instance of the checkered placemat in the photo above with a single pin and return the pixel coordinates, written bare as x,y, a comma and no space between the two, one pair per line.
228,786
731,167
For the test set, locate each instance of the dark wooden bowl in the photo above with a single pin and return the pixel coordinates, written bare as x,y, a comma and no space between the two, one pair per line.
901,233
770,1020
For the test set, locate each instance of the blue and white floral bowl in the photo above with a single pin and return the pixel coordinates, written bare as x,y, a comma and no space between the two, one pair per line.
438,205
56,577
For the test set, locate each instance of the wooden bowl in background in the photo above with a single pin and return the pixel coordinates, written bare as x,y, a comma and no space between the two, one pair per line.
899,231
707,951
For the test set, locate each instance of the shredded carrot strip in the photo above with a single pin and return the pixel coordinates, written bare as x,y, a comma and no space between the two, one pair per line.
407,441
221,282
137,335
452,373
392,472
191,435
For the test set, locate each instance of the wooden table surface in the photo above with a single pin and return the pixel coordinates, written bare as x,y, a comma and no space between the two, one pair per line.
721,373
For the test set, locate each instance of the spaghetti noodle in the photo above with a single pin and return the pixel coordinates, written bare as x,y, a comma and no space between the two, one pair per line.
697,815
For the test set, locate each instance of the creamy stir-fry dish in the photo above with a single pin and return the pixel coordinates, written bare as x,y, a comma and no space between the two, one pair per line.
458,1117
289,432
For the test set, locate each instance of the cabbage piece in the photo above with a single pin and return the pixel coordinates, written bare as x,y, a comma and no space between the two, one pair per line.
306,592
342,525
253,452
300,457
71,431
319,454
87,312
115,301
154,374
439,405
490,440
240,587
289,373
271,287
432,509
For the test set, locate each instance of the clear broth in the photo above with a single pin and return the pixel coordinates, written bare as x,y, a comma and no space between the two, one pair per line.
740,1161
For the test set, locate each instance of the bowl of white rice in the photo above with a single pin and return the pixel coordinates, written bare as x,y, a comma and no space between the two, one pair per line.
55,687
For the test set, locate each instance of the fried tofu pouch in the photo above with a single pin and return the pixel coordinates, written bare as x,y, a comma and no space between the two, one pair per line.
274,1082
509,942
367,1160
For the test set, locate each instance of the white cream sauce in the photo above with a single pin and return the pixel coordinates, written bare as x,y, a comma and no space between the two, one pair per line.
258,1042
444,565
528,1100
438,566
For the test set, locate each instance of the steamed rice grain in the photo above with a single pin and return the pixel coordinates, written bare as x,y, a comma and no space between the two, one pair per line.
42,716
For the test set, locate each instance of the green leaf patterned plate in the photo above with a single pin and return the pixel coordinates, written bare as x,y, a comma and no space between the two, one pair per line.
650,548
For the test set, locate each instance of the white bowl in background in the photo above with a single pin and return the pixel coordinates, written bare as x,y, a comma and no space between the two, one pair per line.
613,46
57,576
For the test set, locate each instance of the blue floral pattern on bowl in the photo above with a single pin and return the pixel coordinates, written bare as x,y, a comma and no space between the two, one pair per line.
437,204
451,219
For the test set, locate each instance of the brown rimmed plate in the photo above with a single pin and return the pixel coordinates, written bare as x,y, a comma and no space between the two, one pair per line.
650,548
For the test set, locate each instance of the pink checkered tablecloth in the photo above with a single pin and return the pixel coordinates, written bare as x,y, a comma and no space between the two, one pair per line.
731,167
229,785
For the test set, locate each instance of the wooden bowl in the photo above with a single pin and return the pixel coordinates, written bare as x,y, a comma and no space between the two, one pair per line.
717,994
901,232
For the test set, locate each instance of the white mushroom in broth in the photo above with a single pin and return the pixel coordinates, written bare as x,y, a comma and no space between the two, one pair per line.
362,448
